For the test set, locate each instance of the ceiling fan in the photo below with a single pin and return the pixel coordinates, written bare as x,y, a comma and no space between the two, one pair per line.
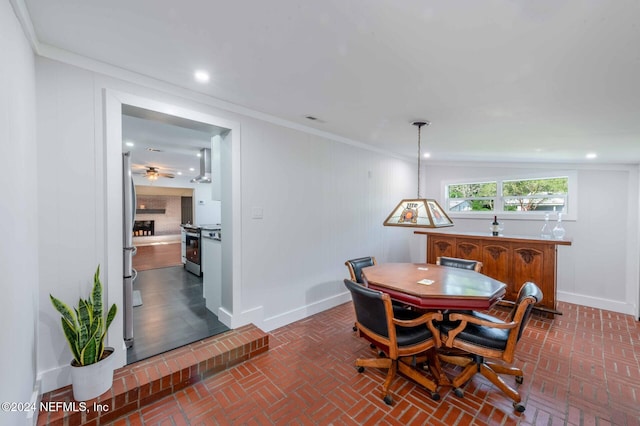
153,173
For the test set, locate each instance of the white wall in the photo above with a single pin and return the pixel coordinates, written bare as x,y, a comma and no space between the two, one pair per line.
18,217
323,202
600,268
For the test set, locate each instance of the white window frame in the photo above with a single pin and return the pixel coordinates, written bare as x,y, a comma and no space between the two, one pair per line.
570,212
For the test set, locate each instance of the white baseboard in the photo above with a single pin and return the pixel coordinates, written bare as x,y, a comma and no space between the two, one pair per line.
250,316
36,396
596,302
54,378
255,315
225,317
305,311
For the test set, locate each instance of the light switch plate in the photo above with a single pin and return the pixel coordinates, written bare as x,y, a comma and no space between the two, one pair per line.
256,213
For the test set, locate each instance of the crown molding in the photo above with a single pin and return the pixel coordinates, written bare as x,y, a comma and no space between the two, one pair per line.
22,13
103,68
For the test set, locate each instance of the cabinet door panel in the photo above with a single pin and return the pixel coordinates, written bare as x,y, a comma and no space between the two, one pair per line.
468,249
440,247
528,265
496,260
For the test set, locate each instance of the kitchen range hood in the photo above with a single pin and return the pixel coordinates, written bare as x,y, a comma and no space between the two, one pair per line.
205,167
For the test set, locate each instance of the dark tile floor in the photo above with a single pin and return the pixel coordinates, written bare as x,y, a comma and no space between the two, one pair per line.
173,312
581,368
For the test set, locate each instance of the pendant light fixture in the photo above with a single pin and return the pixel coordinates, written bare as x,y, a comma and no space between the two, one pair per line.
418,212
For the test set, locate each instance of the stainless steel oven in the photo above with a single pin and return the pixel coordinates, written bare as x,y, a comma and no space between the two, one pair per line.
192,250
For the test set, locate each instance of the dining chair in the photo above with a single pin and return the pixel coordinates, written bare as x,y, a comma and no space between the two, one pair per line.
355,267
355,270
474,265
400,340
479,336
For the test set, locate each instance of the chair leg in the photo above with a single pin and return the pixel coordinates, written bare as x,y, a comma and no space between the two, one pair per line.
374,362
493,377
387,363
470,368
387,382
503,369
405,368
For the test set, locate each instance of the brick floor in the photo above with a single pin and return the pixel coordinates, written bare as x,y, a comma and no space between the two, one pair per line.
581,368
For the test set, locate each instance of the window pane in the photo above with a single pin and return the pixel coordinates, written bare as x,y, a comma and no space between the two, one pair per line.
536,186
523,204
469,205
466,190
547,194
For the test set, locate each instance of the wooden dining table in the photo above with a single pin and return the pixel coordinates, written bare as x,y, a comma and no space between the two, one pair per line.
427,286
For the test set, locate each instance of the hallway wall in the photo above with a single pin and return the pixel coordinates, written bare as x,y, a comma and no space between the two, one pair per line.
18,217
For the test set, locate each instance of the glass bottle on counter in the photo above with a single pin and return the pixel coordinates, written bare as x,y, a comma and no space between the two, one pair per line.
558,230
495,227
546,232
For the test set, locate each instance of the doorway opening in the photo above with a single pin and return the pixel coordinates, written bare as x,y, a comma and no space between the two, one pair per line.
170,307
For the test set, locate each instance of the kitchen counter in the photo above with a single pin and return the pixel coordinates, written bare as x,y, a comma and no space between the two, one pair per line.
214,227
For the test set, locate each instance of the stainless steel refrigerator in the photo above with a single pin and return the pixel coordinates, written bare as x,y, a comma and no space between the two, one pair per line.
129,250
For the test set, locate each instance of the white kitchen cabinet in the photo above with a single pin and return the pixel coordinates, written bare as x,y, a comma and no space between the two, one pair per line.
212,279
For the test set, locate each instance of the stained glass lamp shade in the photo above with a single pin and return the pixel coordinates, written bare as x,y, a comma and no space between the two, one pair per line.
418,212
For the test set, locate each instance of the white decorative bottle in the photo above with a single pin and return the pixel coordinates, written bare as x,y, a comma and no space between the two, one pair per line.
546,232
558,230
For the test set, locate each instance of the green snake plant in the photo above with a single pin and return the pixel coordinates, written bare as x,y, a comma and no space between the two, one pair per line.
85,326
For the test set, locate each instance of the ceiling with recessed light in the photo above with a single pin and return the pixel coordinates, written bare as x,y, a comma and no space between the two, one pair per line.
168,143
500,80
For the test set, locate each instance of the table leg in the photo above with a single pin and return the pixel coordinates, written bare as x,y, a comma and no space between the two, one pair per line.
436,368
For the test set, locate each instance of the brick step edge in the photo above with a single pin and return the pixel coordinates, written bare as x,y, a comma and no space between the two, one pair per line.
144,382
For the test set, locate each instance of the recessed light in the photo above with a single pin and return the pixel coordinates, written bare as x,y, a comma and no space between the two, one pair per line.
198,154
191,169
179,173
201,76
427,155
591,155
128,143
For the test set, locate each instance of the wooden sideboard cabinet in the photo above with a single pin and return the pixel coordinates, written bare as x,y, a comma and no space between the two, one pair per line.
513,260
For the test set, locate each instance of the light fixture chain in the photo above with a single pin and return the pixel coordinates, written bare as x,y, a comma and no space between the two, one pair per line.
419,124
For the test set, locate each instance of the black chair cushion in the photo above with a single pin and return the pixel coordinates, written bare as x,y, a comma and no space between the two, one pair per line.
477,334
402,313
408,336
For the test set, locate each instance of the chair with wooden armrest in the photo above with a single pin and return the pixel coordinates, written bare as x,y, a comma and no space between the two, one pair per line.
355,267
474,265
400,340
478,336
355,270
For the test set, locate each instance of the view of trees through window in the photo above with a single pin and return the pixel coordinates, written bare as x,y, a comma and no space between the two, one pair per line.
472,196
521,195
535,194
